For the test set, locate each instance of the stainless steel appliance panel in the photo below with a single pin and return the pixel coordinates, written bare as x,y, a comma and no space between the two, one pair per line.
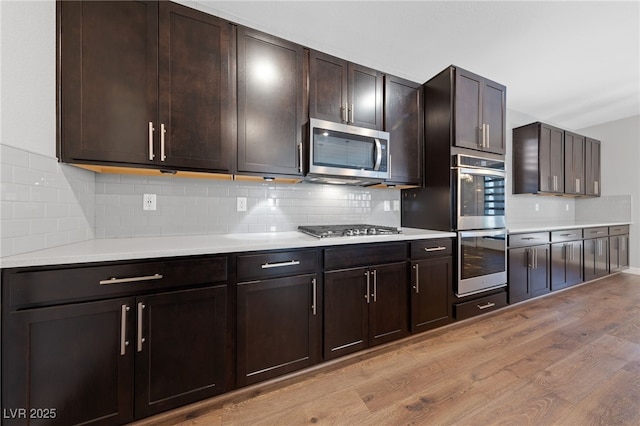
482,261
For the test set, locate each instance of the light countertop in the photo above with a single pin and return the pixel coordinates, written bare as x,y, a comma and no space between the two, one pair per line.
517,227
110,249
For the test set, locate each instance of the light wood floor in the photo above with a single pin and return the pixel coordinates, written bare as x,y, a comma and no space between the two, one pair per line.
571,358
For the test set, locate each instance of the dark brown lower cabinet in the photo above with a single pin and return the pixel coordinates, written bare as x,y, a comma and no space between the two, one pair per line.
430,293
279,326
180,348
528,272
566,264
76,361
596,258
364,307
109,362
619,252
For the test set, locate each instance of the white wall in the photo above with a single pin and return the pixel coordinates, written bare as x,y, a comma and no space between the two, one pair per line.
620,152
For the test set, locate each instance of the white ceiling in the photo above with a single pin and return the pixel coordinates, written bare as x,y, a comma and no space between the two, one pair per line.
573,64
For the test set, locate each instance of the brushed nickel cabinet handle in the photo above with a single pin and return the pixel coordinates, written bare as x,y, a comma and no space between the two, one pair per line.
345,113
596,187
366,296
488,139
375,285
568,235
151,129
123,329
162,133
315,295
417,286
430,249
300,157
351,113
268,265
577,184
141,339
486,306
115,280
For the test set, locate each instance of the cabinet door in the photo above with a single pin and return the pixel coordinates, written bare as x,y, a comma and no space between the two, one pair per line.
197,107
468,109
619,252
278,327
74,359
431,285
346,316
539,281
403,121
365,97
574,163
596,263
566,264
518,271
493,116
328,87
108,79
551,159
180,348
592,167
271,95
388,308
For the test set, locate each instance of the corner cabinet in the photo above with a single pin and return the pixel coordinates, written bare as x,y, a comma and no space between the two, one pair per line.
431,284
344,92
81,342
403,121
365,297
272,104
145,84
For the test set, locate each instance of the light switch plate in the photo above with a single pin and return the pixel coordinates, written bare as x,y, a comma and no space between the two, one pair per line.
387,205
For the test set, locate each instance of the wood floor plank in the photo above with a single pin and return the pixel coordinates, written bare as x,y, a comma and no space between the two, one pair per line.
570,358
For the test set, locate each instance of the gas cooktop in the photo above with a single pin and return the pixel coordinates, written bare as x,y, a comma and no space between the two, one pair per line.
325,231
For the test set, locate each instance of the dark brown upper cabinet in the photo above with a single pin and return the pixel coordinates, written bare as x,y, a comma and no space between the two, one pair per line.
145,84
538,159
480,111
403,121
574,163
592,167
271,104
344,92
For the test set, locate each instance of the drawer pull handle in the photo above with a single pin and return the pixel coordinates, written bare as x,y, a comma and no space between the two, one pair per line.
530,238
280,264
434,249
115,280
568,235
597,232
486,306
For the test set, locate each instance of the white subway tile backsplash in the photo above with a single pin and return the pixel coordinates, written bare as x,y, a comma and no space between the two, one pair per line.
44,203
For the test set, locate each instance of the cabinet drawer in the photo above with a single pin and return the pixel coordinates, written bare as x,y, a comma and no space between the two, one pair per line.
276,264
602,231
566,235
49,286
361,255
480,306
529,239
619,230
431,248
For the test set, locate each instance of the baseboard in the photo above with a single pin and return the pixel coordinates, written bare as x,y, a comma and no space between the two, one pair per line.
634,271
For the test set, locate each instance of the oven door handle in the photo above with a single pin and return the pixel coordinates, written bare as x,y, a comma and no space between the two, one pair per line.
483,172
484,233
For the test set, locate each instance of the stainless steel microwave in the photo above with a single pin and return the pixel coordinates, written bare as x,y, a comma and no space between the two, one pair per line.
345,154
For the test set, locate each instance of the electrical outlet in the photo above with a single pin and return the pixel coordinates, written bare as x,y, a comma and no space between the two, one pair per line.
387,205
537,207
149,202
566,207
241,204
396,205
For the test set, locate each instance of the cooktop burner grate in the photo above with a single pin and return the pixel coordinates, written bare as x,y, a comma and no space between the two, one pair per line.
326,231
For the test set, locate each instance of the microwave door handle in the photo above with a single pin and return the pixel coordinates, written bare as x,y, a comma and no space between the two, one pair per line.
376,166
